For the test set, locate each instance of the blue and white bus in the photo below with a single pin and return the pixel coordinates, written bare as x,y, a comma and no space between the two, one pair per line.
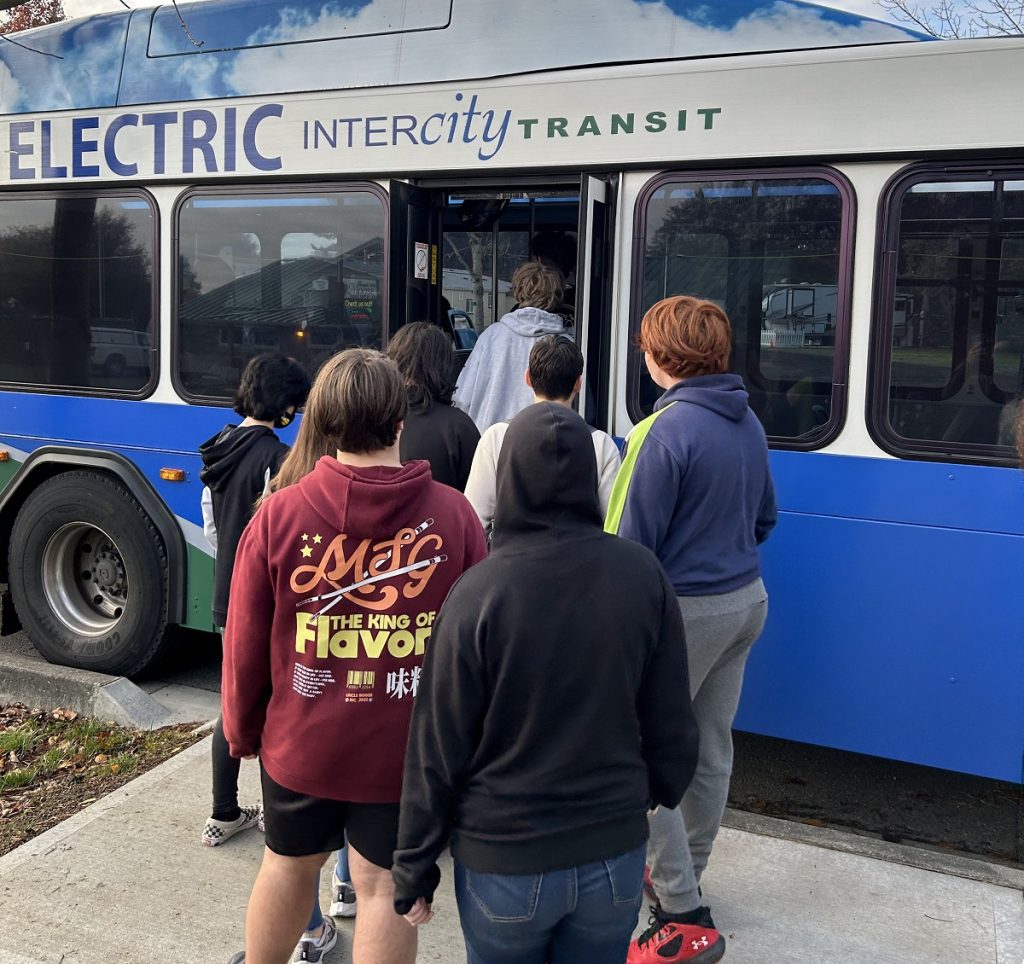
179,194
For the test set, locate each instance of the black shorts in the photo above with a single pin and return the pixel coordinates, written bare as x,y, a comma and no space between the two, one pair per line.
300,826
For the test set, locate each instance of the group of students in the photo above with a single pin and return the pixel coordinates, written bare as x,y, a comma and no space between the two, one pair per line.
540,674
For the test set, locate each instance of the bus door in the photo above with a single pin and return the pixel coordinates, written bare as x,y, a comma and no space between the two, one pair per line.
414,293
593,295
456,244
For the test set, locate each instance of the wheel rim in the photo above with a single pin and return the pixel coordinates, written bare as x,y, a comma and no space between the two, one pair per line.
84,579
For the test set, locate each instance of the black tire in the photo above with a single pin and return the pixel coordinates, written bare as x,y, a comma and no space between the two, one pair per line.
88,574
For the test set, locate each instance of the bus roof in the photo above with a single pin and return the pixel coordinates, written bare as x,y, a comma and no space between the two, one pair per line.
227,48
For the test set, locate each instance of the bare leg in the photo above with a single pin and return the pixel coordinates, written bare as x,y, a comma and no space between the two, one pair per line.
279,906
382,937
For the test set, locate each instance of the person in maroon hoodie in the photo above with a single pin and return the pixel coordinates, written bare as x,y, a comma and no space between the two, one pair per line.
337,582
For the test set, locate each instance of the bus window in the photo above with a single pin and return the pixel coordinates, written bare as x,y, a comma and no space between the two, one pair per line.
772,252
950,341
478,264
298,271
76,293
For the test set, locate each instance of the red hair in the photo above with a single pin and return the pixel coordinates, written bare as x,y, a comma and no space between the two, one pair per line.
686,337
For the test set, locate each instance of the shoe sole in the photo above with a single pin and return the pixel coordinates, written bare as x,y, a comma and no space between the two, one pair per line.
714,953
329,946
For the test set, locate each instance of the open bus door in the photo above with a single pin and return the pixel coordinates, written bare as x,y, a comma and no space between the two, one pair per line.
593,294
414,289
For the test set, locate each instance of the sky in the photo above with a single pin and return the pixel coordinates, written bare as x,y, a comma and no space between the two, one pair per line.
79,8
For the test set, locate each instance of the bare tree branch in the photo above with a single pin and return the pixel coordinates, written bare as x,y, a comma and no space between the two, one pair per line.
961,18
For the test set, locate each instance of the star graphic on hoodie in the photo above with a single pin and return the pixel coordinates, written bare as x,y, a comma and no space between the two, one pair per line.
306,552
305,537
318,539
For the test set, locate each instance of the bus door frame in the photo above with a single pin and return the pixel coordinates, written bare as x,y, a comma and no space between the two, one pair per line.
594,267
415,231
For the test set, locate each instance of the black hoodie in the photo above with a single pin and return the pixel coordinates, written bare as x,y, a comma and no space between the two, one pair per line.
554,707
235,465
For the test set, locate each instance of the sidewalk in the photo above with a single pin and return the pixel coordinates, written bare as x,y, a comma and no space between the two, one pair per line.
127,880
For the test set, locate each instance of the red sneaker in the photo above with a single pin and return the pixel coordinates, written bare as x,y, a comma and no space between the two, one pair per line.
666,942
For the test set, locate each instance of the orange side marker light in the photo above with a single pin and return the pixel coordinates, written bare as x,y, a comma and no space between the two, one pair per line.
172,475
4,455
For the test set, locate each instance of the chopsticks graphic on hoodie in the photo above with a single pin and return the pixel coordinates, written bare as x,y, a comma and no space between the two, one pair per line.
338,594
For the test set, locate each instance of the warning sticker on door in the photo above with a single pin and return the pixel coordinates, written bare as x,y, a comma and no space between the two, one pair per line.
422,259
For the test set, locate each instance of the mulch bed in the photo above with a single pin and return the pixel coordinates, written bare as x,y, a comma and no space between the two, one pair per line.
55,763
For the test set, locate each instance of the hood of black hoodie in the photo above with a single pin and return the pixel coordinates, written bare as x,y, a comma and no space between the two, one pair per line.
223,453
546,474
366,503
722,394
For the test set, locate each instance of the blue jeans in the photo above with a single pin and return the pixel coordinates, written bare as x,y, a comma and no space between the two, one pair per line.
585,915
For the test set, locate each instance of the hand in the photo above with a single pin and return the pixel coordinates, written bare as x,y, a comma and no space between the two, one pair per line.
420,913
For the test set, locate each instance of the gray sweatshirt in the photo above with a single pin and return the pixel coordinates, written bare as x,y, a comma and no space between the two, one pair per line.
492,387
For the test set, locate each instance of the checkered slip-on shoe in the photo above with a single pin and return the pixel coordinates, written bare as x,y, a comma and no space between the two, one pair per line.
313,948
215,832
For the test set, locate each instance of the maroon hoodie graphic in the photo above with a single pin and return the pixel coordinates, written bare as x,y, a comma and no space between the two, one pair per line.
336,585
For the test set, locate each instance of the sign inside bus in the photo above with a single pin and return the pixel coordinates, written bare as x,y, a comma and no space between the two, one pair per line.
255,139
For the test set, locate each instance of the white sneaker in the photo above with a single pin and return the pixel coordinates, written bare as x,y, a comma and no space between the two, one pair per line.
215,832
314,948
343,897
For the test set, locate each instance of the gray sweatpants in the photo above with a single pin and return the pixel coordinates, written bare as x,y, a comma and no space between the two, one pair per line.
720,631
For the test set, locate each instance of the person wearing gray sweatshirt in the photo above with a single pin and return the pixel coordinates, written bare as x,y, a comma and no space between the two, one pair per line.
491,387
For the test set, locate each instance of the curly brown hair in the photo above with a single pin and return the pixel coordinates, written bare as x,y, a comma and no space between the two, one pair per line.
686,337
537,284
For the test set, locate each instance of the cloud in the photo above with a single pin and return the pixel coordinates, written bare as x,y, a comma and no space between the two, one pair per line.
81,78
864,8
10,90
397,45
641,30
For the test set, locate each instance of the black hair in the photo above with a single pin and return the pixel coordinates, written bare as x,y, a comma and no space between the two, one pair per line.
425,356
555,248
555,365
271,384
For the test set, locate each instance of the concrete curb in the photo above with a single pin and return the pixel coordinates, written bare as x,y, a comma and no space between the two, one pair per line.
37,683
918,856
53,837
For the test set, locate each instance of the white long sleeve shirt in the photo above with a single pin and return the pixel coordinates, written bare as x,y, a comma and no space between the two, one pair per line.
481,489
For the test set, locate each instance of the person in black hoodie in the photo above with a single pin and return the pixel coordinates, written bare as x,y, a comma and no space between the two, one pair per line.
238,463
545,728
435,430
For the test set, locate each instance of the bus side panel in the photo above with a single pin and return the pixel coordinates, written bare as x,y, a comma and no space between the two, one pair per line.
151,435
200,589
897,640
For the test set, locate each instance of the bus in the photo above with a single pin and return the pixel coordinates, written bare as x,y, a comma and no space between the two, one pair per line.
212,181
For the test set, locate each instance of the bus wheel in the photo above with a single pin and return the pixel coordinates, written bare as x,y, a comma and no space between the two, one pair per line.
88,573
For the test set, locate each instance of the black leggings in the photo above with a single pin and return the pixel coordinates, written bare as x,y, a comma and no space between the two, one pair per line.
225,777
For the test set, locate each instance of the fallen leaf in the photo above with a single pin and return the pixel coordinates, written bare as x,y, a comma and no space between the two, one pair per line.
115,767
100,758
